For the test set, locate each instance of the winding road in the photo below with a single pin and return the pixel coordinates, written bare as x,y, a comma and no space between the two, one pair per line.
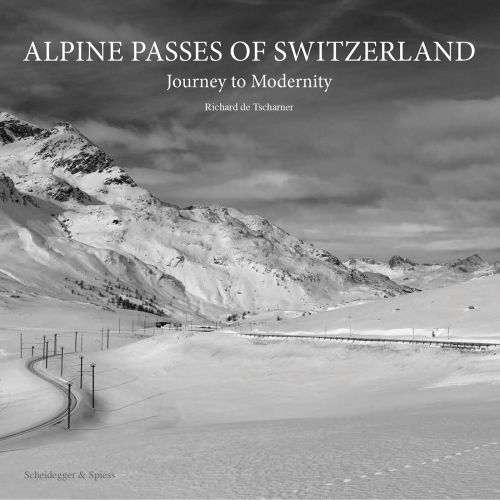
59,414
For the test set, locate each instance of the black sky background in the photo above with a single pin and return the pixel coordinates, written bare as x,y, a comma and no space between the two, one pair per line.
395,158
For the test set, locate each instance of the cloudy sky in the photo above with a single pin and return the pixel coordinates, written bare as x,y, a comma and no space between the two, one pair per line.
395,158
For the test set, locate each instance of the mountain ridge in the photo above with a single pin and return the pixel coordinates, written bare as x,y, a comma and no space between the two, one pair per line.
215,259
422,276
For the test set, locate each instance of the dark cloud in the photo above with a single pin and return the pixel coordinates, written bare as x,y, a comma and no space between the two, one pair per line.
406,154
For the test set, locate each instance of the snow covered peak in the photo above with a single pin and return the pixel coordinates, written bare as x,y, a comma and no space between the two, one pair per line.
468,264
209,259
398,261
13,129
66,126
64,152
4,116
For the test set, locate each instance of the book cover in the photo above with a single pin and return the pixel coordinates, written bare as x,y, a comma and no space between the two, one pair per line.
249,249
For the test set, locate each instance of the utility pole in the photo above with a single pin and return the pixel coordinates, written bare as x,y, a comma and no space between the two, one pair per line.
43,349
21,345
93,386
32,350
107,340
76,341
47,356
81,371
55,344
62,359
69,406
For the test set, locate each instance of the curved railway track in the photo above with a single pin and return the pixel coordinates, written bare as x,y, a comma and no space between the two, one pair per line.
60,414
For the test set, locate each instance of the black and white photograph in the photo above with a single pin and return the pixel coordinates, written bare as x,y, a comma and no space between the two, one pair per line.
249,249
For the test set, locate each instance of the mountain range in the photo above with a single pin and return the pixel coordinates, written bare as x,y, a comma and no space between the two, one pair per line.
426,276
76,226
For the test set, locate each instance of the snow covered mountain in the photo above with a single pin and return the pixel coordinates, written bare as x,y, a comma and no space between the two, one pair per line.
76,226
424,276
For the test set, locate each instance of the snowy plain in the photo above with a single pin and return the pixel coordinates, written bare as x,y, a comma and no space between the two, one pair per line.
467,311
184,414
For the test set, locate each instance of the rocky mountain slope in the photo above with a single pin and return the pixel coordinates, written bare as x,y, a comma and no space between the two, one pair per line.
75,225
424,276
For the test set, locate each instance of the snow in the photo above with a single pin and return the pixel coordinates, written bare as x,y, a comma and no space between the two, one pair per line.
20,392
427,276
185,414
418,313
222,261
212,415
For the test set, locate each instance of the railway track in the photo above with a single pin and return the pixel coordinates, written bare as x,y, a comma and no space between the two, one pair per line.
61,413
451,344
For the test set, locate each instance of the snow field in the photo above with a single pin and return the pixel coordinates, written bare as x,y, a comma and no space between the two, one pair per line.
210,415
421,312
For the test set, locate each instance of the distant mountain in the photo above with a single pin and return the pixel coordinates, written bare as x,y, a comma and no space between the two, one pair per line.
397,261
74,225
468,264
423,276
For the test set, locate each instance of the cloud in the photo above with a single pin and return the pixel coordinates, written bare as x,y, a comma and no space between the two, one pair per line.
450,117
133,139
404,153
477,183
456,152
421,29
401,230
330,11
472,244
172,147
45,90
81,27
427,175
